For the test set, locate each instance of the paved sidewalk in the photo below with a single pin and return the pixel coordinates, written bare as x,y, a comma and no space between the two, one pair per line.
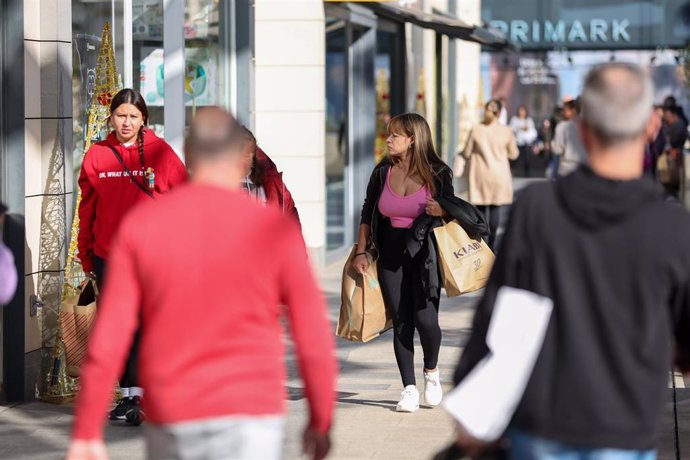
366,424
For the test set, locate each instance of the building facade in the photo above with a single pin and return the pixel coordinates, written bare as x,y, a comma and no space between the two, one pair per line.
560,41
315,81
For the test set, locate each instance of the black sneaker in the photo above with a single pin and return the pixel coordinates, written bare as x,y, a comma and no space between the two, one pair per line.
120,411
135,415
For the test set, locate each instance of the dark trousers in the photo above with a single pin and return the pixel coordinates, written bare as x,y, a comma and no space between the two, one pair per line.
492,214
521,167
129,377
401,285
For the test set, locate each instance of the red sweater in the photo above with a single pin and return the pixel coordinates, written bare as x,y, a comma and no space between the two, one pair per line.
206,269
277,193
107,195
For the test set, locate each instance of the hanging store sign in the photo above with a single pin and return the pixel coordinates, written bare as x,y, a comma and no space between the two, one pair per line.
560,32
604,24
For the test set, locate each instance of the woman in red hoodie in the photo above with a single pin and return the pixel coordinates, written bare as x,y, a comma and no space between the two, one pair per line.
132,164
263,180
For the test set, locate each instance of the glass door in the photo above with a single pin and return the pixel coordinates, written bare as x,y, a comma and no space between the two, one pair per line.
350,121
336,131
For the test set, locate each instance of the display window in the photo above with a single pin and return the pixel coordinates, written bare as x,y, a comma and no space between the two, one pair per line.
205,56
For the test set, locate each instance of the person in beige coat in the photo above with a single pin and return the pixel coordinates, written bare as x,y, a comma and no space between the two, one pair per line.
489,147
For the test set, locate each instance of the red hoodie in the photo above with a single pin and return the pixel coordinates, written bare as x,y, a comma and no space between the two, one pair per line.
108,194
277,193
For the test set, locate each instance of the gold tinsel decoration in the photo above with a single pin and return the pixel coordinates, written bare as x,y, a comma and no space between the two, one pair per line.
60,387
106,86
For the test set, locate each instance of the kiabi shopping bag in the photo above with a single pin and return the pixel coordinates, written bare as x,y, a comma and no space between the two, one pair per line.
363,315
465,263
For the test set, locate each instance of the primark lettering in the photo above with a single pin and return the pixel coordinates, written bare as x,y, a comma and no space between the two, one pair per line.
562,32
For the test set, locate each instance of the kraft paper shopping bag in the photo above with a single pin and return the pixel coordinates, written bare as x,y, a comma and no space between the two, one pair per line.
465,263
363,314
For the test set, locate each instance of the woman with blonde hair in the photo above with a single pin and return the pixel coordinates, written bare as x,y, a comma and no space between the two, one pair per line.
489,148
409,193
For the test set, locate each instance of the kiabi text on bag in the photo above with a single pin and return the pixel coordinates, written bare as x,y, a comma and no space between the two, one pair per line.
467,250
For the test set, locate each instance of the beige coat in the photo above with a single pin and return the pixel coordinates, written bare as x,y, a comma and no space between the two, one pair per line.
488,150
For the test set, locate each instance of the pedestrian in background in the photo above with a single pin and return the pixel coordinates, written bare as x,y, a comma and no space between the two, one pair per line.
675,125
675,132
262,179
671,103
489,148
401,206
548,133
567,144
503,110
8,271
599,385
211,325
655,143
525,135
130,166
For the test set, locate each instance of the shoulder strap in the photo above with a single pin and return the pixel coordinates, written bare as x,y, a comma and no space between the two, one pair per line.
131,177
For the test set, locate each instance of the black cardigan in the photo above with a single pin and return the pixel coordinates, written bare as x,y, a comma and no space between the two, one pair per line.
420,235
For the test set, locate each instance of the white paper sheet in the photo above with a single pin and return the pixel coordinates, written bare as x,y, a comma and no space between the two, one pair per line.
485,401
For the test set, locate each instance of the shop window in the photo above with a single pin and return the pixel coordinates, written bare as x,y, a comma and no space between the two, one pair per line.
88,19
336,131
383,67
147,54
204,58
390,69
203,73
203,82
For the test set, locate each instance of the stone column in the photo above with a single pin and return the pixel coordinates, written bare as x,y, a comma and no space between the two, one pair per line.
48,172
289,109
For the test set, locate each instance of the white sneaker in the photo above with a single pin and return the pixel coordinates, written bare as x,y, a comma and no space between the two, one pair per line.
409,401
433,392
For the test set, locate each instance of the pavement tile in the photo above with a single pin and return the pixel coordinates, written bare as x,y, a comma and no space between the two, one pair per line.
366,425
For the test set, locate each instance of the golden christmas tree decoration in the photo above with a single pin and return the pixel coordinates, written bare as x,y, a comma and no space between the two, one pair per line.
60,387
106,87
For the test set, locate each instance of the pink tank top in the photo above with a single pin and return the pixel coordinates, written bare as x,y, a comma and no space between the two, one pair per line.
402,210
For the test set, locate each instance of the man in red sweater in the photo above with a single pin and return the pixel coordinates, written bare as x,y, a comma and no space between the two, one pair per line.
203,271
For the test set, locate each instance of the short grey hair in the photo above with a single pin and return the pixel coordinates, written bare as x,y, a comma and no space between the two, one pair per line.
616,102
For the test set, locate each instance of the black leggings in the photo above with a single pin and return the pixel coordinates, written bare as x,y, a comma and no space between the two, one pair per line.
492,215
129,377
401,285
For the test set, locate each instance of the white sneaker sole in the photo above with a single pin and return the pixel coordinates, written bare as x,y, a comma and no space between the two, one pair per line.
432,404
406,409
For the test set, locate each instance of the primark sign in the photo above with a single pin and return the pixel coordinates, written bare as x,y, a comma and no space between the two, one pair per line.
595,31
591,24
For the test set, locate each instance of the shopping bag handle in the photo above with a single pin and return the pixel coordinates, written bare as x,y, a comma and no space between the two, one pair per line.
91,278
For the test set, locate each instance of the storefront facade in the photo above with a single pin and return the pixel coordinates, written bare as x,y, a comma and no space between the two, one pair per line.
315,81
384,59
562,40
